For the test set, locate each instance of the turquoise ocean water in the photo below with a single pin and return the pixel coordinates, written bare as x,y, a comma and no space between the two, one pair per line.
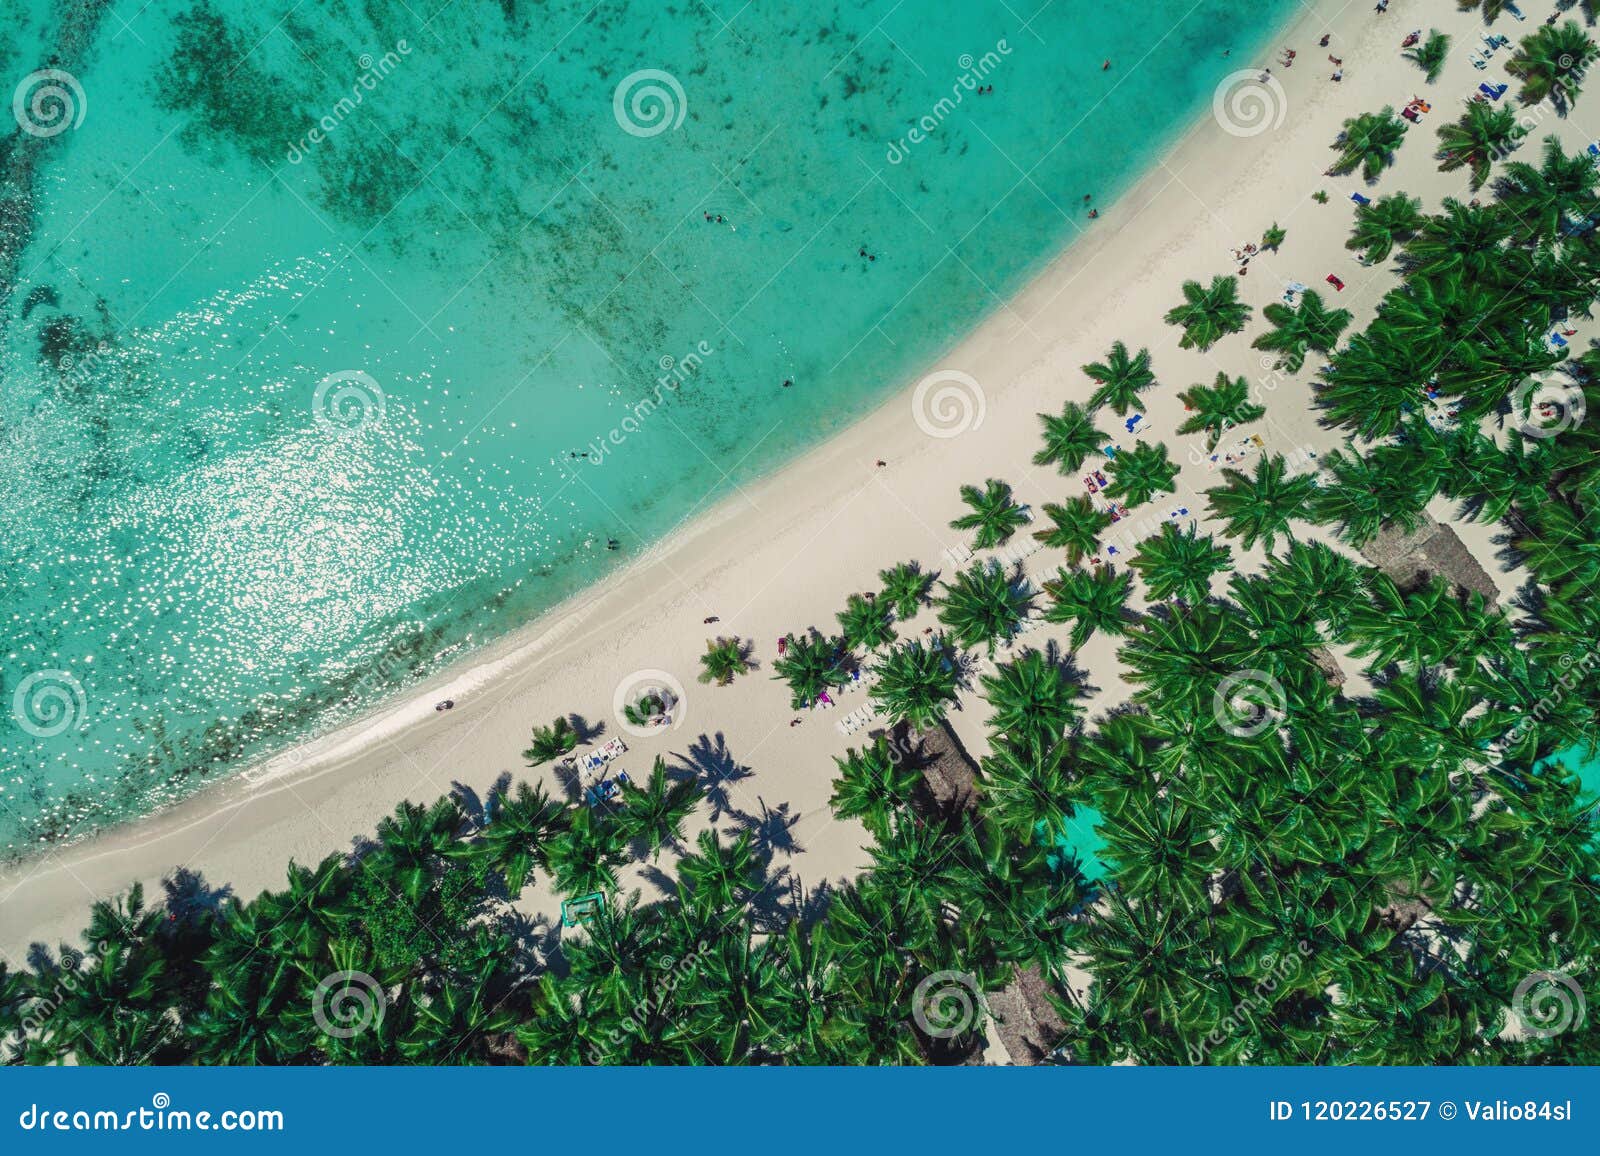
310,311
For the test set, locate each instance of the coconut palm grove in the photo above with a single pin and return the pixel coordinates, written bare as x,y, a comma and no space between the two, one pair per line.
1338,819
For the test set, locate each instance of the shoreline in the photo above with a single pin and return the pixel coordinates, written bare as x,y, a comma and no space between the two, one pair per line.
322,795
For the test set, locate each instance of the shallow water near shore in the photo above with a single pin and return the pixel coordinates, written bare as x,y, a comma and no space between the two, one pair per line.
320,308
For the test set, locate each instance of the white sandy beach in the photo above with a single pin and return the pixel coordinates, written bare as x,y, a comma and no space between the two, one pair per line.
783,555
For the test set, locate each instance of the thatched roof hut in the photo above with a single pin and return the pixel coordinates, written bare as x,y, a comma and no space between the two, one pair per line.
1024,1018
951,773
1430,551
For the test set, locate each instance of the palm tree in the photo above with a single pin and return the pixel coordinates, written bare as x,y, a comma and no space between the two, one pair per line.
1209,313
1069,439
555,1030
982,606
994,515
1461,238
518,836
1365,492
1179,563
1273,237
1310,326
1074,527
1222,406
865,622
584,857
905,589
1368,142
916,684
810,665
1092,600
718,876
654,813
724,660
1261,508
1383,224
1121,379
1430,54
1542,199
1491,8
1027,787
413,844
649,709
551,742
1032,699
874,784
1551,64
1485,133
1141,473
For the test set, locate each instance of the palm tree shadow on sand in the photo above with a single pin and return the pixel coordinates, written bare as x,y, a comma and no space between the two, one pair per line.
710,761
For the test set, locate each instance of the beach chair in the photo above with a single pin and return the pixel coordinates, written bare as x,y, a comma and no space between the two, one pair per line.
1492,91
1360,200
1478,62
1558,341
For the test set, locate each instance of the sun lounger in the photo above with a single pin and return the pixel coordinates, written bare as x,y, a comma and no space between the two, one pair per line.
1558,341
1478,62
596,759
1360,200
1492,91
1516,12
